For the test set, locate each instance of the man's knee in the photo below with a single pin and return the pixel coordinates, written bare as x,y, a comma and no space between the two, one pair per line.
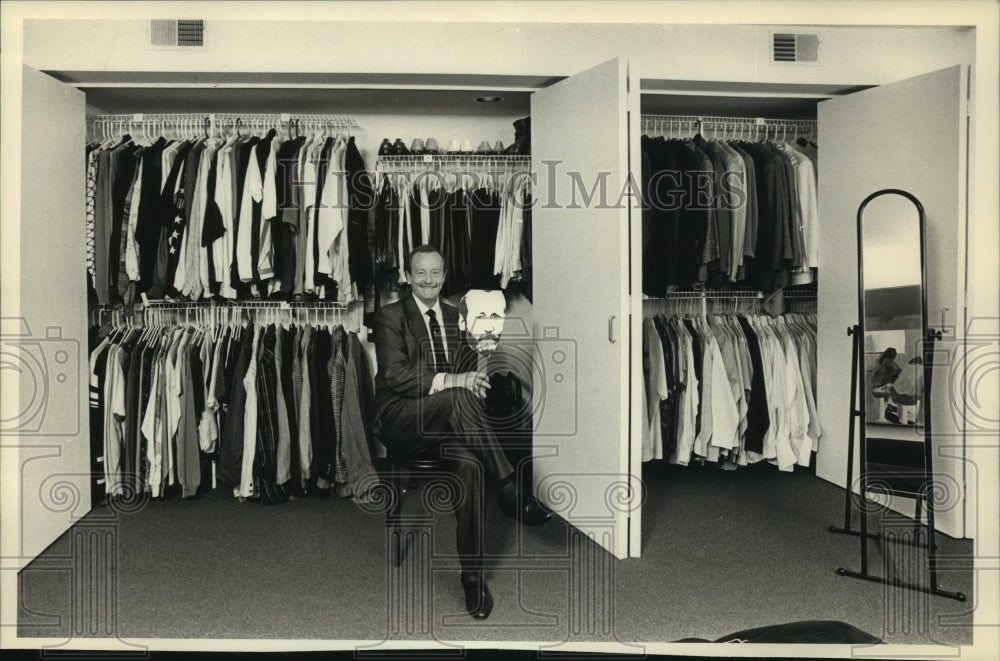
468,410
434,413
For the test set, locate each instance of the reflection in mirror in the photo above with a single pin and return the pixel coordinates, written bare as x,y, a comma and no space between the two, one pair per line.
893,319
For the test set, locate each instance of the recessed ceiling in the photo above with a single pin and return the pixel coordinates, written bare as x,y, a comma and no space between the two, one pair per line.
307,101
730,106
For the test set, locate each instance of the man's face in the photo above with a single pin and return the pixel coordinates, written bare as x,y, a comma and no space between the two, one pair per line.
426,276
484,315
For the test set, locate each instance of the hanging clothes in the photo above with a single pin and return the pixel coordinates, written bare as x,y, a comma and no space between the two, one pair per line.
169,402
477,216
730,388
724,214
228,218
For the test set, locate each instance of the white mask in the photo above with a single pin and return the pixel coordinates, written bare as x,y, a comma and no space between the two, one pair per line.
482,317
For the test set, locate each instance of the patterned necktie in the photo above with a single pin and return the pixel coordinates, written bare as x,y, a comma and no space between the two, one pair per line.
440,357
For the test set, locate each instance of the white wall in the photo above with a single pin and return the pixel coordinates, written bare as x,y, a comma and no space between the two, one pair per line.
665,51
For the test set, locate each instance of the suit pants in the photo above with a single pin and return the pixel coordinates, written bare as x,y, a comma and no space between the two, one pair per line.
453,421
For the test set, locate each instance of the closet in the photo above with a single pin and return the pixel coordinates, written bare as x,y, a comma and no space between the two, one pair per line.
586,263
597,155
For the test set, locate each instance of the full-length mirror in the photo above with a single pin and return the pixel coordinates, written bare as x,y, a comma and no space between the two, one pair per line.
892,310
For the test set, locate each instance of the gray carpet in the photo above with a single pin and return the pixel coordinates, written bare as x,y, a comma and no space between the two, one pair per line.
722,552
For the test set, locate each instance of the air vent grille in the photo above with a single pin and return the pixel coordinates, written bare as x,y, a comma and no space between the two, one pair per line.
168,32
784,47
789,47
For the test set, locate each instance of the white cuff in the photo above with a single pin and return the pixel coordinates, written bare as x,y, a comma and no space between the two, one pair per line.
437,385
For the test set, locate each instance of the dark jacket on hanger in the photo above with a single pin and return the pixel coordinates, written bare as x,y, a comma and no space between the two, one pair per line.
147,230
485,211
361,199
758,419
231,441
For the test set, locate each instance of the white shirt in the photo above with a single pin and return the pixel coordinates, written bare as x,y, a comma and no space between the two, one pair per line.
438,383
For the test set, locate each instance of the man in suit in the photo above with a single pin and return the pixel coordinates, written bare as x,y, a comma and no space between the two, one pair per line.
430,398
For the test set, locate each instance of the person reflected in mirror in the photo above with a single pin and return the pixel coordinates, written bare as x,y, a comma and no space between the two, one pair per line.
907,391
886,370
884,374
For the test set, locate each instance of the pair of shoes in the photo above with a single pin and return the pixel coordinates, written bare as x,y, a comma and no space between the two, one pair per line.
528,511
485,149
385,149
399,149
419,147
478,600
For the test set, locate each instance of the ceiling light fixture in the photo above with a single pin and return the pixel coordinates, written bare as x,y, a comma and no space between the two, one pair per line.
489,99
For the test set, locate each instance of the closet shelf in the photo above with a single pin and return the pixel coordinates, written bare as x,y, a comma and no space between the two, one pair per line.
664,124
246,304
455,158
229,119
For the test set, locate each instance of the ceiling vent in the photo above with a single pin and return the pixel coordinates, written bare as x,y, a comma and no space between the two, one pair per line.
165,33
789,47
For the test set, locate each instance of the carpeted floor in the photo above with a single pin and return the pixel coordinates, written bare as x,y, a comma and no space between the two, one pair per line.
722,552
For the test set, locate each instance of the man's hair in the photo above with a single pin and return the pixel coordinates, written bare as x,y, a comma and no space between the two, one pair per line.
422,249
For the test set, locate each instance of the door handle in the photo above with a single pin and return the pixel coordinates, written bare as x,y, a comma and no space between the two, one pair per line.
611,328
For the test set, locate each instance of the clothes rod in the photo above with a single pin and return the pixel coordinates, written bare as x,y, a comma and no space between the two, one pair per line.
441,158
680,295
702,120
246,305
214,121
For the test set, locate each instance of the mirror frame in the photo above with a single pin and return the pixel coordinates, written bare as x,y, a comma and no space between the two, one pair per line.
926,336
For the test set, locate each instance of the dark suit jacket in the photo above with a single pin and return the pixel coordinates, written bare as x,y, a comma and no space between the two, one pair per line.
404,353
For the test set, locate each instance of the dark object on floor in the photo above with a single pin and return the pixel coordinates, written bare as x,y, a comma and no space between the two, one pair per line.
478,600
523,507
819,632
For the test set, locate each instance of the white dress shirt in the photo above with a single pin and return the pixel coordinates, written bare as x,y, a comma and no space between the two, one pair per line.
438,383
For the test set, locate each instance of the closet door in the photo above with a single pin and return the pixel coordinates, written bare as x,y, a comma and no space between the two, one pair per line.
580,243
45,340
911,135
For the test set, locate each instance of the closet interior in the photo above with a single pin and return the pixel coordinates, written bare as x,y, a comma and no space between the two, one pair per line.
729,229
233,260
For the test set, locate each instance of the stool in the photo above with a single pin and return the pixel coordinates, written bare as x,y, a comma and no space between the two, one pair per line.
424,461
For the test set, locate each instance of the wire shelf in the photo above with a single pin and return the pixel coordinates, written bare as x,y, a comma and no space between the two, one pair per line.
670,124
216,122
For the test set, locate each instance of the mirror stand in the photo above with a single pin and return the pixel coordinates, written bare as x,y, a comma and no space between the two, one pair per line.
892,310
922,496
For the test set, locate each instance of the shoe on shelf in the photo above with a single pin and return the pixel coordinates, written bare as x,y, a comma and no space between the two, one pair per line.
431,146
484,148
453,147
467,147
498,148
385,149
478,600
417,147
399,149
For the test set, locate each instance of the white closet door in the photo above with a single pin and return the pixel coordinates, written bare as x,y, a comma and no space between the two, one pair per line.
581,285
911,135
50,348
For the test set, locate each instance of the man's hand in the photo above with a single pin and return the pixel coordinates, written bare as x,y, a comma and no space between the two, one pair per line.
477,382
